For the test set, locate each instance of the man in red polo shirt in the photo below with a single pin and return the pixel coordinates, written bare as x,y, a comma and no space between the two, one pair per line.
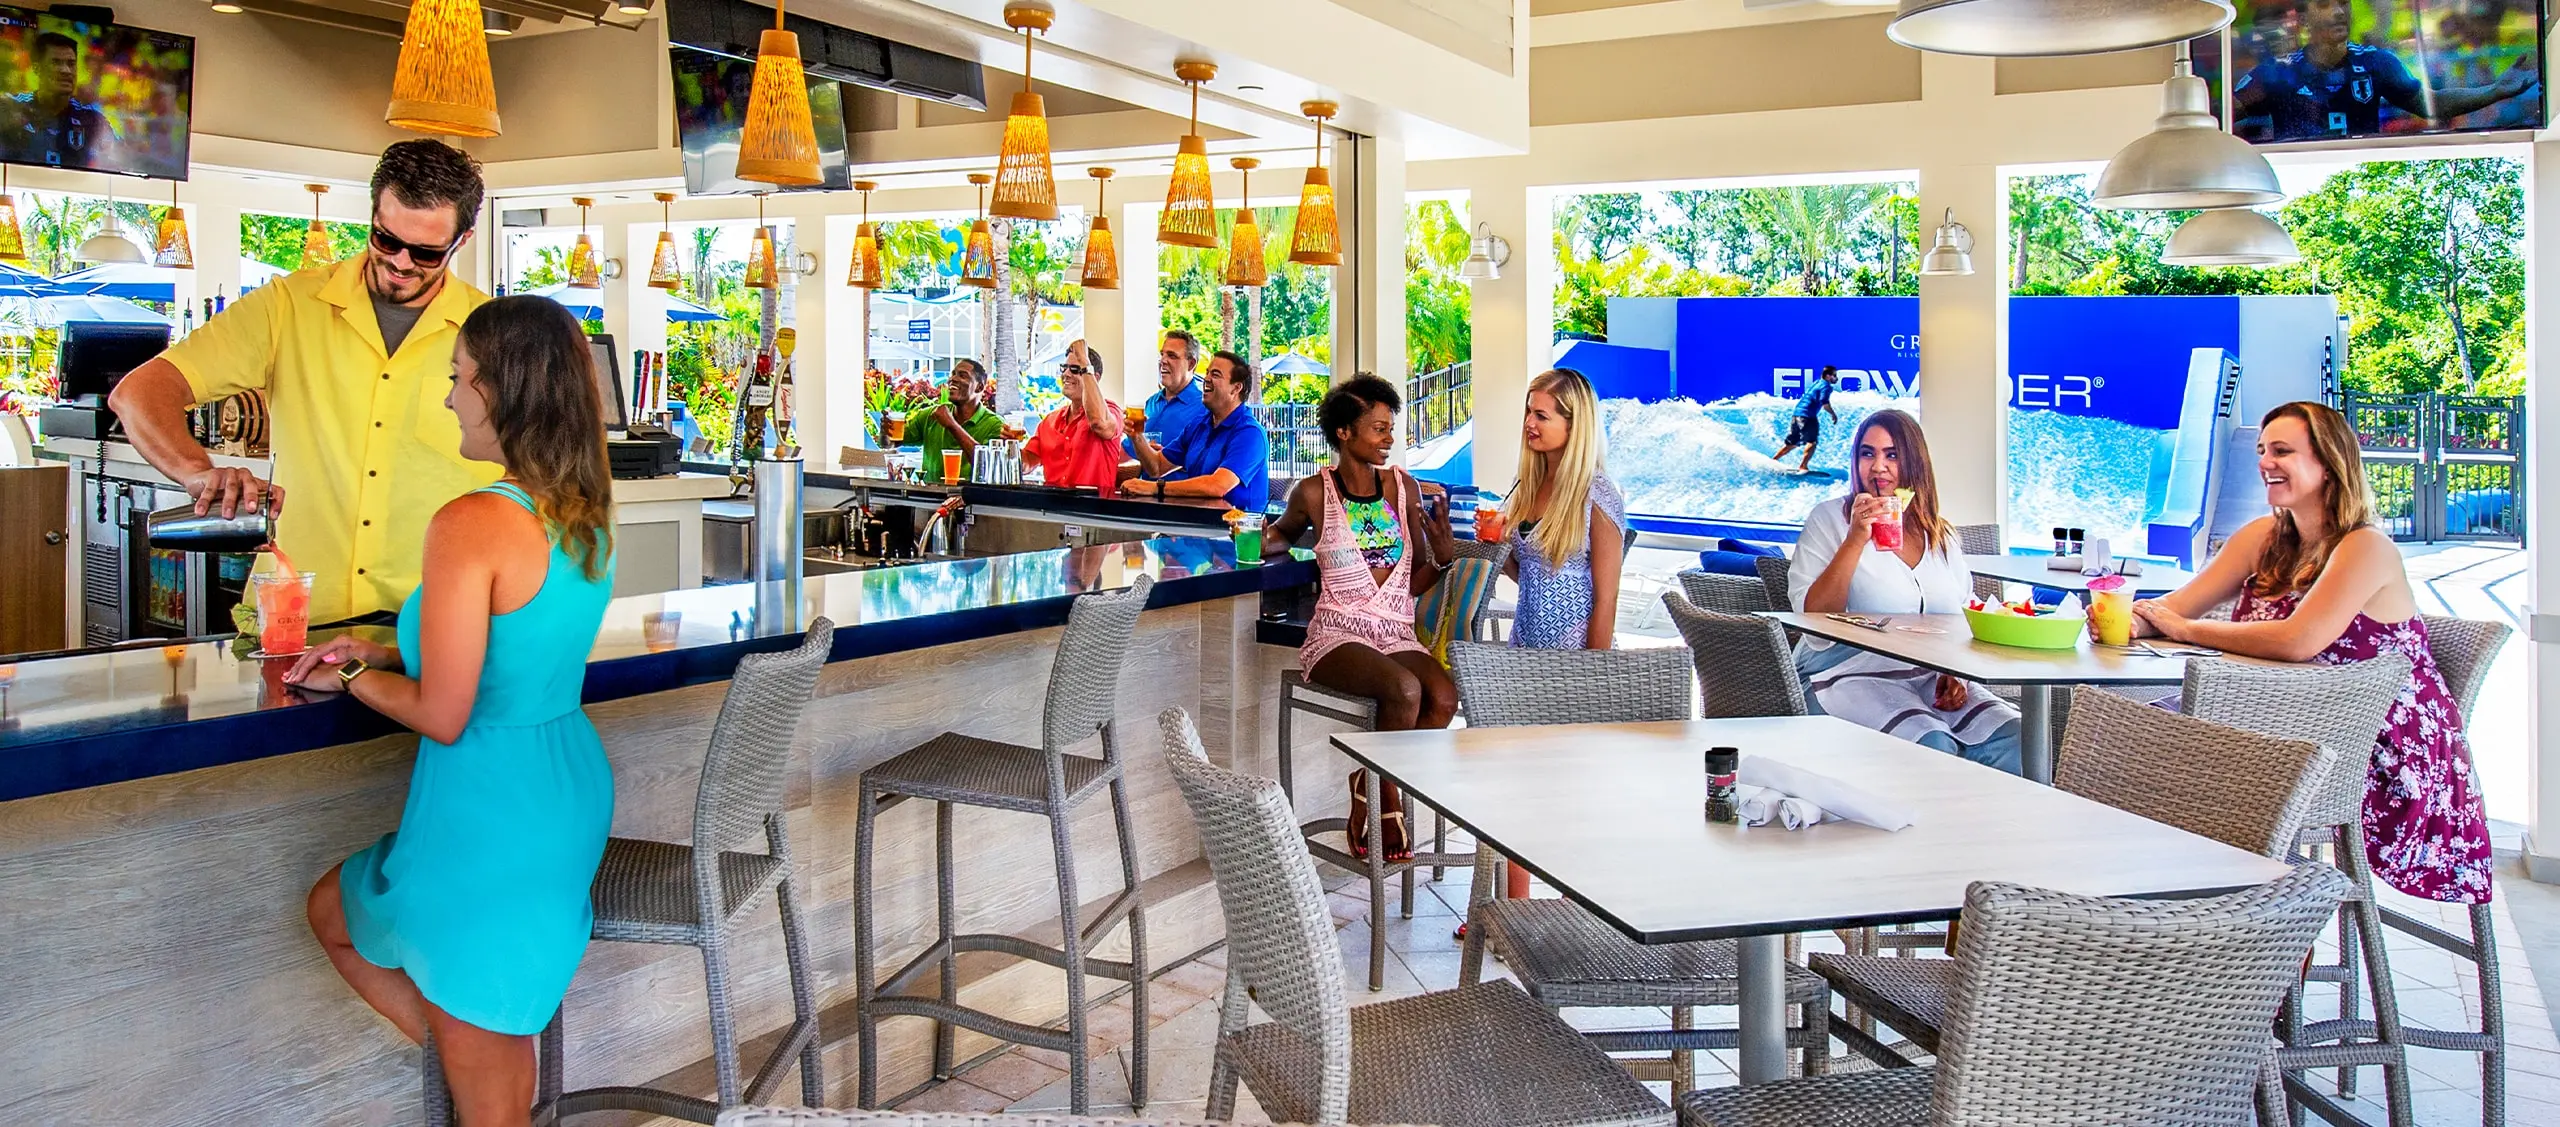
1079,444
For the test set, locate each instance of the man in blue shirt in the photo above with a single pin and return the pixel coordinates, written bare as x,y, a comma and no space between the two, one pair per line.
2334,87
1176,406
1804,428
1227,455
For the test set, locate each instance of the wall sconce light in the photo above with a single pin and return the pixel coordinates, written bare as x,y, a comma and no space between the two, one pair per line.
1487,254
1952,254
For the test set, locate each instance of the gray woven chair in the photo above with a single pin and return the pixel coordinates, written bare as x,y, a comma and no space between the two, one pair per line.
655,892
1083,697
1476,1056
1773,575
1561,953
2078,1009
809,1117
2340,707
1299,694
1982,540
1743,664
2245,790
1725,594
2463,650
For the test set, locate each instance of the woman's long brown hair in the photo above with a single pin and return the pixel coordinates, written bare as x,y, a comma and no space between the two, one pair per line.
538,375
1917,475
2287,563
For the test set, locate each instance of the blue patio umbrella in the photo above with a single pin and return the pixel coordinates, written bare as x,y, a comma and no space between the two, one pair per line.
587,304
133,281
1293,363
68,308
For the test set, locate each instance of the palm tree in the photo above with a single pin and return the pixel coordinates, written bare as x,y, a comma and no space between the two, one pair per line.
704,237
1813,225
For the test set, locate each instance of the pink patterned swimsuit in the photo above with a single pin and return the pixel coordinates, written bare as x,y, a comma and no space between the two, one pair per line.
2425,830
1351,604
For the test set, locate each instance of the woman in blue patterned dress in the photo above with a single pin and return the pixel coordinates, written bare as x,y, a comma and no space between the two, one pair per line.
1566,520
470,919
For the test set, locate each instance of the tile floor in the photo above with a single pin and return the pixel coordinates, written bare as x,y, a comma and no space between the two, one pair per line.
1422,955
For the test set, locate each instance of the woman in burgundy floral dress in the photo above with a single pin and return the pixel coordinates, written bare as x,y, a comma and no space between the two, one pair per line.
2318,582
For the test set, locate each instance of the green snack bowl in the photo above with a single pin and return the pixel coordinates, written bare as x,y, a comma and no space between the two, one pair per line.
2043,632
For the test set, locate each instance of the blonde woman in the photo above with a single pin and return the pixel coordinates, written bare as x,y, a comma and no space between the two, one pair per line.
1566,521
2318,582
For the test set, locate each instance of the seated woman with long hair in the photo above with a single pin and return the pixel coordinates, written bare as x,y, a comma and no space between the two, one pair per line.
1566,519
1840,569
470,919
2316,581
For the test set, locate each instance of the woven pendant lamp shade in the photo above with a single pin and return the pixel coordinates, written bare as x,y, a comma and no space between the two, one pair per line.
863,271
1026,187
1101,257
779,145
315,238
761,274
443,84
173,249
666,271
13,238
1190,208
1245,266
584,270
978,258
1317,240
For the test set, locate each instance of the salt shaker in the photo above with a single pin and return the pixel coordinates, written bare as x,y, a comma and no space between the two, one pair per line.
1722,764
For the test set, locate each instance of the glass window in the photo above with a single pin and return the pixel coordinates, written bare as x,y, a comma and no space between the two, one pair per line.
1285,326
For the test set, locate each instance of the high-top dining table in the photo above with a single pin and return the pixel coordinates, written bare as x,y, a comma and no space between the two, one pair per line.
1613,817
1944,643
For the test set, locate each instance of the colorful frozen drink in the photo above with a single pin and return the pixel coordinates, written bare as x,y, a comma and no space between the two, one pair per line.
283,600
2111,611
1887,530
1247,530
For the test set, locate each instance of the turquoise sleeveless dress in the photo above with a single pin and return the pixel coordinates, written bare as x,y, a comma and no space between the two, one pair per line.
481,895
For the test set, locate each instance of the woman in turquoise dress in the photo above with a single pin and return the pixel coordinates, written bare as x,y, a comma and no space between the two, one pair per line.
471,917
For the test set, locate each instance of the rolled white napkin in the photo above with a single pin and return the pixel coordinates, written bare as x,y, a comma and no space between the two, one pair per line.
1832,796
1756,806
1797,813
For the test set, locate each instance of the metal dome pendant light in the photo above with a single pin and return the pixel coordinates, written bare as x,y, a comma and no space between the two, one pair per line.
316,250
1317,238
110,243
1026,187
863,273
666,271
173,249
1190,208
1101,257
2232,236
1245,266
13,238
2186,162
779,145
442,84
584,271
2027,28
978,260
761,274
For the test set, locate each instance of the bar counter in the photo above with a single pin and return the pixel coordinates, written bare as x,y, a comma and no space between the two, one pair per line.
169,807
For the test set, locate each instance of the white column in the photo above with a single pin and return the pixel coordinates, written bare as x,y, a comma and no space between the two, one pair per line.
2542,515
839,365
1368,297
613,239
1141,302
1510,320
1964,321
811,235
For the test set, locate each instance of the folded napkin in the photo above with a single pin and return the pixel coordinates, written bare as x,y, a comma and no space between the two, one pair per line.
1825,794
1760,806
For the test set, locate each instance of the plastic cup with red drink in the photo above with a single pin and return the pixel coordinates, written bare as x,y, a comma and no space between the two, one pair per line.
1886,532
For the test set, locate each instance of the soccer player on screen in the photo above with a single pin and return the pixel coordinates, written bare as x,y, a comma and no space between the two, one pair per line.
2334,87
52,124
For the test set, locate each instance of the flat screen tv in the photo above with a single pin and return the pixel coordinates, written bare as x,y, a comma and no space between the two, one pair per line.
2326,70
711,113
100,97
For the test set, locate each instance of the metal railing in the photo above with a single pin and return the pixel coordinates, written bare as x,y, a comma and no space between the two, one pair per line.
1440,402
2442,467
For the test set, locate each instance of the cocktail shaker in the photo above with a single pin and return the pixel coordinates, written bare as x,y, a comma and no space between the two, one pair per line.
185,530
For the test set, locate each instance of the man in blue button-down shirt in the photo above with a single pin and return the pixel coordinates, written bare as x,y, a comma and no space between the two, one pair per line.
1228,455
1176,406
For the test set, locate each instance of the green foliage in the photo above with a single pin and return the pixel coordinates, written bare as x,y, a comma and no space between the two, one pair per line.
1855,239
277,239
1438,304
1297,301
2425,258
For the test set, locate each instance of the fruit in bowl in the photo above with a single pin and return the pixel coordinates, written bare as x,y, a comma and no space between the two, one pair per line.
2025,624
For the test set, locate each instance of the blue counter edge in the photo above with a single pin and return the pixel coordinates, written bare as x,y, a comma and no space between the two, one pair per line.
81,762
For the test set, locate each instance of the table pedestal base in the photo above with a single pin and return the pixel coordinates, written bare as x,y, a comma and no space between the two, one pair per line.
2035,732
1762,963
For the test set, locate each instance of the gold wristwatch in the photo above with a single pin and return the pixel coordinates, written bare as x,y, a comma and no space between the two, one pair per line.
347,673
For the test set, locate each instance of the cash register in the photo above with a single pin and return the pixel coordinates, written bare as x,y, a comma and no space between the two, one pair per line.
96,356
634,448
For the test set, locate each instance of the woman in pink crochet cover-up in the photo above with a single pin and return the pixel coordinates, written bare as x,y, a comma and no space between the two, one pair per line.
2318,582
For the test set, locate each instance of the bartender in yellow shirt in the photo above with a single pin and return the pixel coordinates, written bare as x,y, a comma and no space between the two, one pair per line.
355,360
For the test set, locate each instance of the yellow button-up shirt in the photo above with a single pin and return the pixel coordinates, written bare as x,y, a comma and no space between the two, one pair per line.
365,449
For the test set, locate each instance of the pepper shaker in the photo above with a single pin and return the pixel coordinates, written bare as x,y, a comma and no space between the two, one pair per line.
1722,765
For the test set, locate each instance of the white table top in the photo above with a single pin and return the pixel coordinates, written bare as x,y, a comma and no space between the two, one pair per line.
1613,816
1952,650
2156,578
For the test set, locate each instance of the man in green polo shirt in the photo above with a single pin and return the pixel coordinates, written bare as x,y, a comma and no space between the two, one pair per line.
961,420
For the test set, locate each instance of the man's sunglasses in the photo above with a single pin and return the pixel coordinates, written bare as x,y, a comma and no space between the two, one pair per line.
425,257
1071,369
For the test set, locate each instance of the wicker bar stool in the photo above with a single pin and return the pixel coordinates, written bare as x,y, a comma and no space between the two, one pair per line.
2079,1009
1476,1056
654,892
1299,694
1083,697
1773,575
1982,540
1561,953
1725,594
2245,790
2340,707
